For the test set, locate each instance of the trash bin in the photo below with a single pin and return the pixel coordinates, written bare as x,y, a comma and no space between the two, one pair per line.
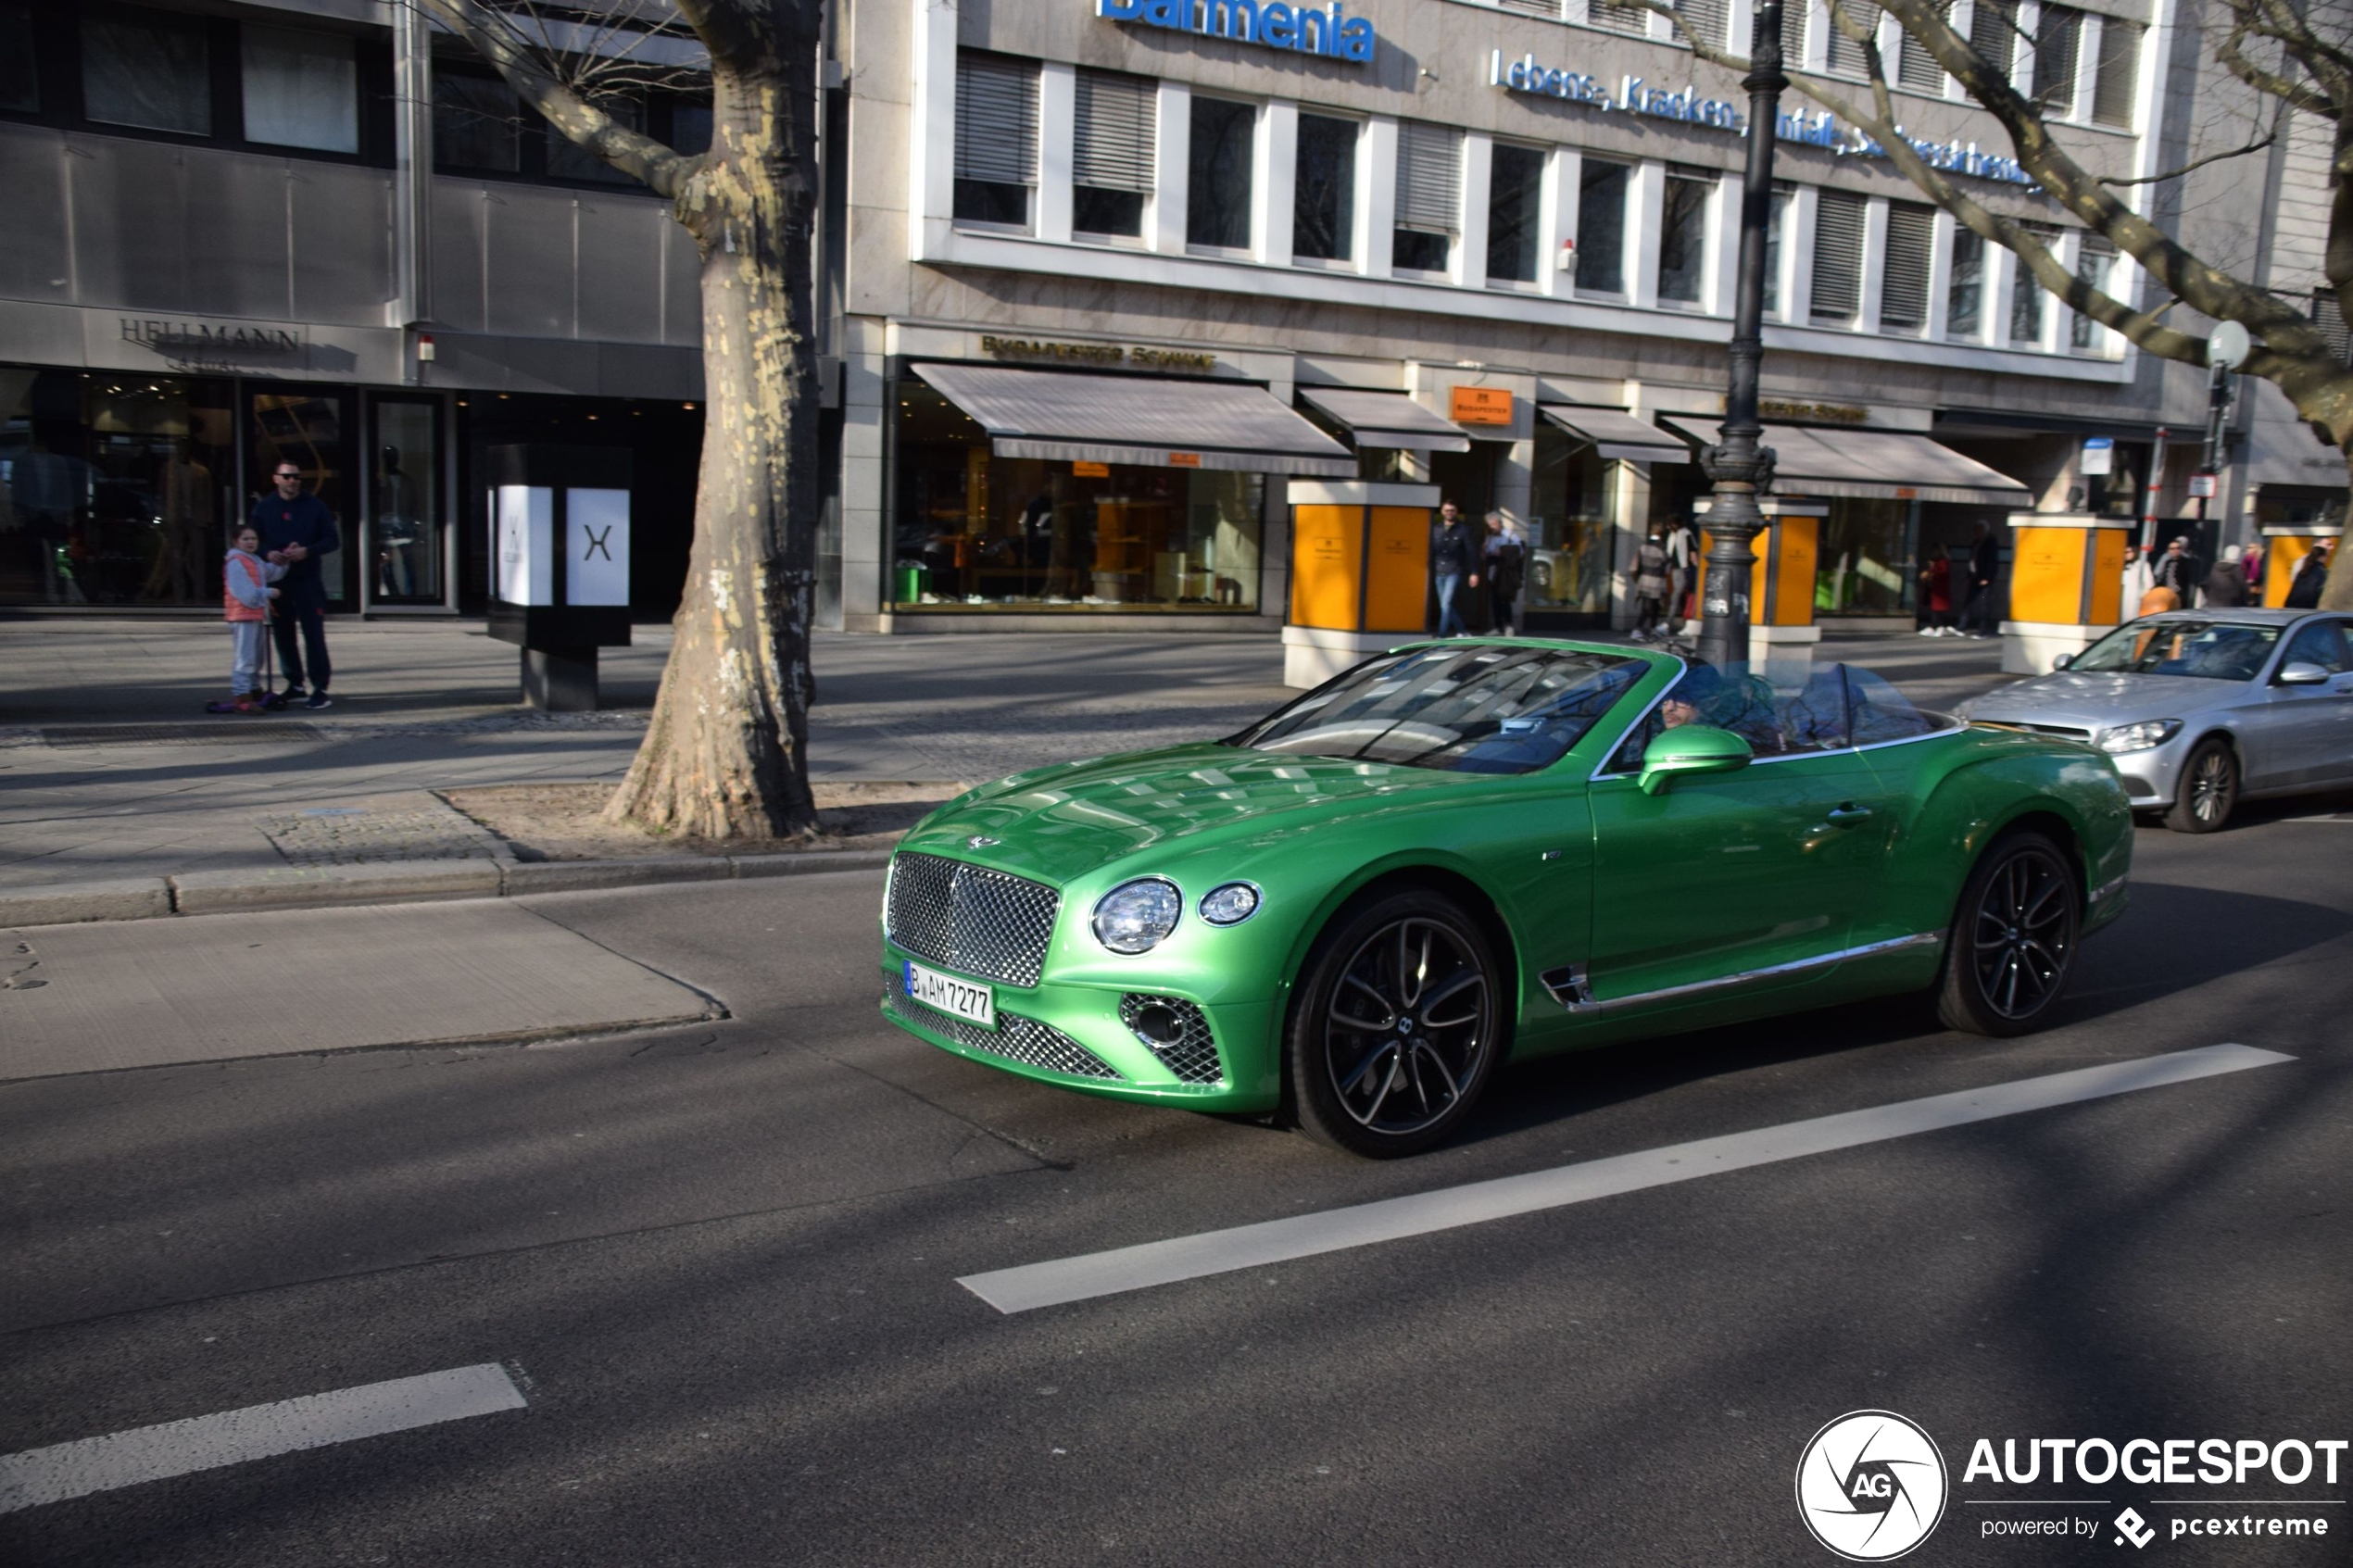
914,581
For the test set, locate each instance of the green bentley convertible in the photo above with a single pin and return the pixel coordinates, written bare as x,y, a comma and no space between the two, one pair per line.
1461,852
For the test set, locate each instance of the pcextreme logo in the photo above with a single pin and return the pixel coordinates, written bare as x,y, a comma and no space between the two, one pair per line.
1871,1485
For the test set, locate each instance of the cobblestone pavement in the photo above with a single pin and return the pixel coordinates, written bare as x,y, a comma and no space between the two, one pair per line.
427,706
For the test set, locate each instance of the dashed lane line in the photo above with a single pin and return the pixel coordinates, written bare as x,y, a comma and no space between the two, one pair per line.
1064,1280
208,1442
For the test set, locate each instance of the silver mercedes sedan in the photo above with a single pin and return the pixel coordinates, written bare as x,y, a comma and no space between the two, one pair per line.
2202,708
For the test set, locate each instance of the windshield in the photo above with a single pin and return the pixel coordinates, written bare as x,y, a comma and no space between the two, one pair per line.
2213,650
1474,708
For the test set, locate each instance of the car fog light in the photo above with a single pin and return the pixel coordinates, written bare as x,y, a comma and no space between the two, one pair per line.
1229,905
1136,916
2139,737
1158,1025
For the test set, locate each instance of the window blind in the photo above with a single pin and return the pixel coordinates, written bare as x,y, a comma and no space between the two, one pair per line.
1842,56
2329,321
1992,32
2117,81
996,119
1114,132
1429,177
2057,40
1903,300
1548,8
1914,67
1615,16
1793,33
1702,19
1838,256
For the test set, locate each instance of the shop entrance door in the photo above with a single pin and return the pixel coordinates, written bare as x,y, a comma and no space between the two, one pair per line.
408,546
313,428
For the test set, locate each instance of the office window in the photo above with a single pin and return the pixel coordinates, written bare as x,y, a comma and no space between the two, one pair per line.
996,139
1514,213
1430,186
1683,238
1902,295
2117,81
2057,40
147,69
1112,165
2026,294
1965,297
1549,9
1700,19
1793,33
1322,223
1992,32
567,159
1838,258
301,89
2328,320
1600,226
20,83
1218,202
476,122
1775,223
1914,67
1845,56
2094,260
1619,16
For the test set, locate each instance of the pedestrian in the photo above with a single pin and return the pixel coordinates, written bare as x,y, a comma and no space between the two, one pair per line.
1984,565
2177,570
245,593
1682,557
1505,564
2252,562
2137,574
2226,586
298,530
1937,593
2311,578
1650,583
1453,564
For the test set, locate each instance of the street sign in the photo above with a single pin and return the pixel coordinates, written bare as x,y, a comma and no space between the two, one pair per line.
2099,455
2201,487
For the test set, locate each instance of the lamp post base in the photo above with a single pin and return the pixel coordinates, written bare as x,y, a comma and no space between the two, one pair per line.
555,684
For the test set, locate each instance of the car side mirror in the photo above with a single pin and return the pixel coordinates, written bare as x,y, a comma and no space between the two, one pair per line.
2061,662
1691,749
2302,674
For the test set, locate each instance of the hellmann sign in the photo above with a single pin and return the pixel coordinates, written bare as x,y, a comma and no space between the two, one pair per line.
1269,23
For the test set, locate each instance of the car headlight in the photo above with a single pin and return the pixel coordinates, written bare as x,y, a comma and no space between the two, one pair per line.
1229,905
1136,916
2138,737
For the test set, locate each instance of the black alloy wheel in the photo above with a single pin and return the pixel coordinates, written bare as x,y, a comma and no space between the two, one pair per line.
2012,948
2207,791
1397,1028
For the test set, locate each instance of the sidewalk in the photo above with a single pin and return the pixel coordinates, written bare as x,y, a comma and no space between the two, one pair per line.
110,771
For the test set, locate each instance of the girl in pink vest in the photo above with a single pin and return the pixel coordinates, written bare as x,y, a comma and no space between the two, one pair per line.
245,595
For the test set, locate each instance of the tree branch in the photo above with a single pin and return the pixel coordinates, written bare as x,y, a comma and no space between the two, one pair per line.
2256,147
663,169
2294,94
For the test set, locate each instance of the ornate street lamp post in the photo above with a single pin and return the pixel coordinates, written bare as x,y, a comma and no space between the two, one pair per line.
1738,469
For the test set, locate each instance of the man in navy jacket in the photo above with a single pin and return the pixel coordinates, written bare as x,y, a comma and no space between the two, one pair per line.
300,530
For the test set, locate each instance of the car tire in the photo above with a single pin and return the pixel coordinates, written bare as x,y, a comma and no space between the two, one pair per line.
1396,1084
2012,948
2207,791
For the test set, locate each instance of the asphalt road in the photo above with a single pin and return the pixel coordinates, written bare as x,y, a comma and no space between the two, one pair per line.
720,1263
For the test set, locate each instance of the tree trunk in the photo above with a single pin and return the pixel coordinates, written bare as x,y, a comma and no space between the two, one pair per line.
725,756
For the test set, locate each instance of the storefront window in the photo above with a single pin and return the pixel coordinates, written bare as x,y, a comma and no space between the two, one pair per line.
1569,530
114,489
406,546
1865,566
307,429
976,531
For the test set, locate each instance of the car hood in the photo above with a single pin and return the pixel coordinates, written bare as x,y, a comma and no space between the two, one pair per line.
2096,701
1056,823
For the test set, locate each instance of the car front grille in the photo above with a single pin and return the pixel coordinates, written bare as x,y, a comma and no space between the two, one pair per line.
1015,1038
969,918
1192,1056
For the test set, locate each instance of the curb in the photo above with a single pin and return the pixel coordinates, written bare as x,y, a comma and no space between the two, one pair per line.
410,882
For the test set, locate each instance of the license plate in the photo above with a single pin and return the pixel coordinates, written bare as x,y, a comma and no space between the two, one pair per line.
961,998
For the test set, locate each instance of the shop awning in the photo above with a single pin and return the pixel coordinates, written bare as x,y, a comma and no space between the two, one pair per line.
1385,418
1185,424
1617,434
1884,464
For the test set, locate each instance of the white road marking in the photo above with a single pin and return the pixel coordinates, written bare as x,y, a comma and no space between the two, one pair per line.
1275,1241
206,1442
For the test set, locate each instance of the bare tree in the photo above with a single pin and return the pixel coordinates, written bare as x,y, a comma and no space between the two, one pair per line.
2271,45
726,753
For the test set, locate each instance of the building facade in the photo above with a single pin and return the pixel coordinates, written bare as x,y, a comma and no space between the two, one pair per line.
1099,278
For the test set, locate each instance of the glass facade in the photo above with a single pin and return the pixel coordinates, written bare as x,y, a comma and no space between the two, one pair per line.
1865,566
309,427
1569,533
973,530
405,541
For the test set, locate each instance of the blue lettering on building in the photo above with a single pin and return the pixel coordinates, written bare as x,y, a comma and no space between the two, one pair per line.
1329,32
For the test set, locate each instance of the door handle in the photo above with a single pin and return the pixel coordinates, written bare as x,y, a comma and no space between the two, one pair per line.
1846,816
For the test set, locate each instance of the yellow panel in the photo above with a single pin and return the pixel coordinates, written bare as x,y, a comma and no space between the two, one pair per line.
2288,551
1327,558
2107,576
2046,575
1799,541
1397,594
